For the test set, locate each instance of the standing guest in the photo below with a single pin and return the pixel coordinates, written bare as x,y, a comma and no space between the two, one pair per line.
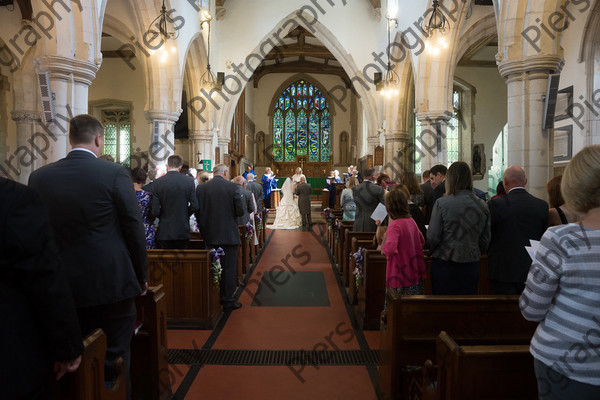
562,291
100,236
499,190
459,232
152,176
347,200
427,191
330,186
517,217
202,177
415,211
303,192
220,205
384,181
144,200
347,175
257,191
247,200
173,202
40,337
249,170
403,247
410,180
185,169
193,173
336,175
268,183
437,177
558,214
367,197
356,174
107,157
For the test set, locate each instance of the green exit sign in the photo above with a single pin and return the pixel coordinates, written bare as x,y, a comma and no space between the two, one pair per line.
207,165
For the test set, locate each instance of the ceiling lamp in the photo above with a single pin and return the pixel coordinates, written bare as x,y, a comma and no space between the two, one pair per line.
168,38
434,19
208,78
388,86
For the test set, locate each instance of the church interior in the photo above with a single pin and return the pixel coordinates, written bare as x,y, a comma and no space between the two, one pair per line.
394,85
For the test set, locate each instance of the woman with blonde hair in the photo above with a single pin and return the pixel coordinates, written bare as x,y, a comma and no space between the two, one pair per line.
562,291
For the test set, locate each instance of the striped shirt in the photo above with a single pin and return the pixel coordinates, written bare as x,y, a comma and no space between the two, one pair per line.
563,293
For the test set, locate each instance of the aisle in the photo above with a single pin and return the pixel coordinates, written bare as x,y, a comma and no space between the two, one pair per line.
291,302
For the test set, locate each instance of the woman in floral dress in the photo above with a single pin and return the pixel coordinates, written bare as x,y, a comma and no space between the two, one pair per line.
145,203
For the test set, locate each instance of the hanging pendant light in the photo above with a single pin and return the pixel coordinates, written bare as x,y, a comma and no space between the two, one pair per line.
169,45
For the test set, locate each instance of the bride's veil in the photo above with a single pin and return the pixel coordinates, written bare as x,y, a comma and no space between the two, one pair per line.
286,189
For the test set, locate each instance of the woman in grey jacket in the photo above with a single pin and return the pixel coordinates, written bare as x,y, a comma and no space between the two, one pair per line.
459,231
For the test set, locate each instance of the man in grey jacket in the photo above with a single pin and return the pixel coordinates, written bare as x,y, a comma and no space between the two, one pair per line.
367,196
303,192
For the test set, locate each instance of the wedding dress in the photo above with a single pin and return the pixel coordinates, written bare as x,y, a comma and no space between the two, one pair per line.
288,215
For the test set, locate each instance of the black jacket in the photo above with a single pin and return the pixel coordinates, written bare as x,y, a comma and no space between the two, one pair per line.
97,226
173,201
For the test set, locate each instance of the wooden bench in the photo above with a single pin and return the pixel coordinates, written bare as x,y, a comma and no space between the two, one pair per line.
196,241
371,291
352,288
193,299
243,261
331,238
339,242
411,325
484,286
150,378
348,250
87,383
479,372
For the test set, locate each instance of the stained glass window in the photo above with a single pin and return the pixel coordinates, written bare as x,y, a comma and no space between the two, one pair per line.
453,129
117,135
302,124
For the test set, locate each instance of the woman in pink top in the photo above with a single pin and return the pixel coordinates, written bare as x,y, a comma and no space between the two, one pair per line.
403,246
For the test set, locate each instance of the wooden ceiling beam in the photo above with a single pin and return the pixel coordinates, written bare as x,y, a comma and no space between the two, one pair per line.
297,67
297,50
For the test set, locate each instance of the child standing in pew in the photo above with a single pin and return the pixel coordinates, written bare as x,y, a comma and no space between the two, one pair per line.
403,246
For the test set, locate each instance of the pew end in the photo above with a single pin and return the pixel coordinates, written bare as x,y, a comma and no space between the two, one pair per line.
87,383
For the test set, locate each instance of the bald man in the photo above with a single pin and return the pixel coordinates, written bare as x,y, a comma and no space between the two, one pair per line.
516,217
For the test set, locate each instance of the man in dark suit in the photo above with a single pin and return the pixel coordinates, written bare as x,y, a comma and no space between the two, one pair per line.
220,204
98,228
367,197
257,191
516,217
40,331
303,192
437,177
173,202
247,200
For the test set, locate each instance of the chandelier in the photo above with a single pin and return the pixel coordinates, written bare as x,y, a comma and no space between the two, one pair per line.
168,44
435,24
208,78
388,85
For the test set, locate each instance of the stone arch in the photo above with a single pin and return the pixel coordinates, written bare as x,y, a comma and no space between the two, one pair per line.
589,53
193,68
333,45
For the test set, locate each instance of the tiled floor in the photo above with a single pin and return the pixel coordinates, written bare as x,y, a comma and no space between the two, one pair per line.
279,327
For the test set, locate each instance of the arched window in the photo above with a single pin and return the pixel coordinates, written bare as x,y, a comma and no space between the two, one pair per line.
301,124
453,130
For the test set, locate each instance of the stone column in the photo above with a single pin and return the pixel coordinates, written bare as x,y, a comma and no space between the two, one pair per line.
397,156
202,141
162,132
528,144
430,144
69,82
32,146
223,145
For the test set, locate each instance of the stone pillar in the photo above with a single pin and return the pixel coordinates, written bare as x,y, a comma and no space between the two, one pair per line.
397,156
69,83
430,144
223,145
162,132
202,142
31,148
528,144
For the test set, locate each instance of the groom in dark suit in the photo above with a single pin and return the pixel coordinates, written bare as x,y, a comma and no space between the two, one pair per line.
100,236
220,204
516,218
303,192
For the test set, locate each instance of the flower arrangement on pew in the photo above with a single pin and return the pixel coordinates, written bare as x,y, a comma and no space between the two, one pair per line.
249,232
259,225
216,268
329,217
336,228
358,272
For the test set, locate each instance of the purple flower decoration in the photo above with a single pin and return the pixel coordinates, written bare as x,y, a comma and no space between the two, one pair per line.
249,231
358,272
216,264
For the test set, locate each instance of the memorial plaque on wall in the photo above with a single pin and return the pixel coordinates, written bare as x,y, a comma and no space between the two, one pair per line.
217,155
378,158
369,161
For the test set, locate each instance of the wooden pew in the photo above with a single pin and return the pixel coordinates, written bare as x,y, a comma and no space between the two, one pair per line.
338,194
196,241
331,238
479,372
150,378
352,288
324,199
87,383
371,291
411,324
339,243
243,260
348,250
484,286
193,299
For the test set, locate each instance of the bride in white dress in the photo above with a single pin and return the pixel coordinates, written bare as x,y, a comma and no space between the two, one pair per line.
288,215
